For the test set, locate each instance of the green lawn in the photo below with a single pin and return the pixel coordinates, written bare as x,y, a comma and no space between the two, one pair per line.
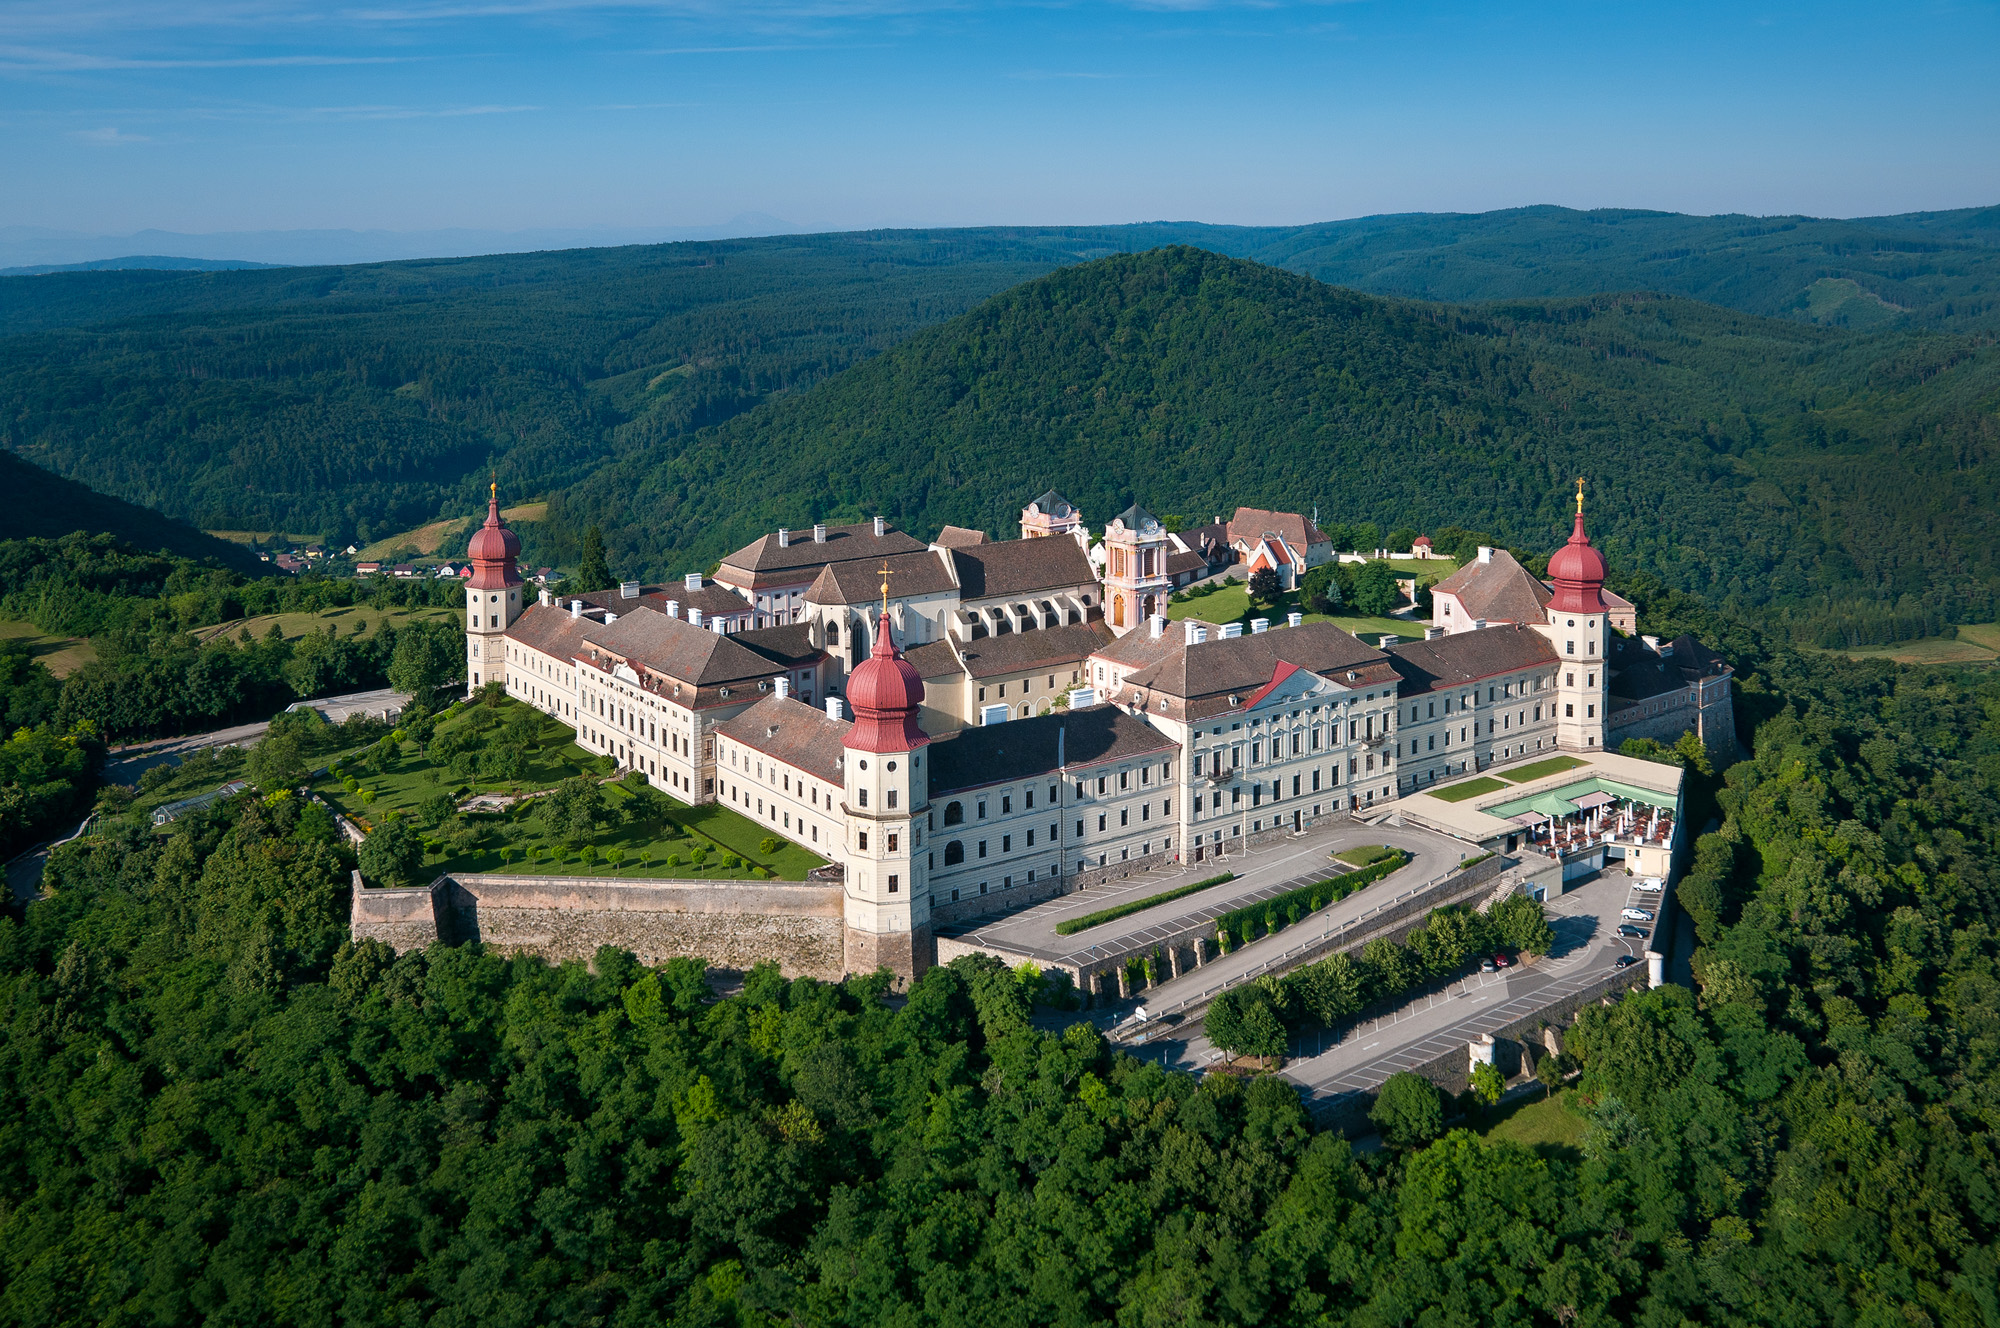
1554,765
1548,1126
1428,571
1471,788
1232,604
476,843
1365,854
61,655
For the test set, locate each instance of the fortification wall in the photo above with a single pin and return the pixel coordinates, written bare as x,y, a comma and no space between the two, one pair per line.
730,924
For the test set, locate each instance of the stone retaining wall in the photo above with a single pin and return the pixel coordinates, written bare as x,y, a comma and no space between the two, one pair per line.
730,924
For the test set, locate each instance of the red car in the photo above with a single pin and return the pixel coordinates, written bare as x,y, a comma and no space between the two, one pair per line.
1501,961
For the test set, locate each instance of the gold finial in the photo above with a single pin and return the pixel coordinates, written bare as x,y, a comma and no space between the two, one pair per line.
1579,495
886,574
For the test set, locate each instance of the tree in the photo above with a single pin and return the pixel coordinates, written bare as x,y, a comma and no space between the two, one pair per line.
1520,925
426,659
1402,539
1320,591
1408,1111
592,573
393,855
1264,586
1487,1083
436,809
1375,590
573,811
278,759
1548,1072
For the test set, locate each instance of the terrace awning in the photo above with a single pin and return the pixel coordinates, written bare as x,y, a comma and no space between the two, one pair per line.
1528,819
1548,804
1590,800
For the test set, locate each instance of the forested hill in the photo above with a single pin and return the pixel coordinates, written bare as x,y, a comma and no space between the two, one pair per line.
1759,460
35,503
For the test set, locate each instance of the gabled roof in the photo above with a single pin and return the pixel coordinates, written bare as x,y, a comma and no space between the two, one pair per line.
672,646
788,645
843,543
1465,657
1021,568
959,537
1022,748
935,659
1016,652
920,573
799,735
1249,523
1197,680
1500,590
550,630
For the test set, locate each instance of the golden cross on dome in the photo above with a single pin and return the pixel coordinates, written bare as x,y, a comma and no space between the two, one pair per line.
886,574
1579,495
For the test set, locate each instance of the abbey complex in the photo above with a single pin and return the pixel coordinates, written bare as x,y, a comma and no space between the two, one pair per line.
966,726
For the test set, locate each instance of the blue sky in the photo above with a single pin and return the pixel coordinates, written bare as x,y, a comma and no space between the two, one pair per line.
209,115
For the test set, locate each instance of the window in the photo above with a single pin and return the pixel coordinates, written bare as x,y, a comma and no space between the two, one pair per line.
893,838
1006,804
892,798
864,841
892,883
862,796
982,848
1124,816
1006,843
954,853
982,809
1027,799
1100,824
954,813
1079,831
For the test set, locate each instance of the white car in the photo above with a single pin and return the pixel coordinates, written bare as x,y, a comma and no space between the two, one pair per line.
1636,915
1651,885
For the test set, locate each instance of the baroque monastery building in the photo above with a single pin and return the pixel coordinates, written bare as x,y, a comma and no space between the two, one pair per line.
965,727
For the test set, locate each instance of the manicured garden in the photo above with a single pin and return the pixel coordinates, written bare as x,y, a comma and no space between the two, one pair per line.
1470,788
559,811
1271,915
1528,774
1071,926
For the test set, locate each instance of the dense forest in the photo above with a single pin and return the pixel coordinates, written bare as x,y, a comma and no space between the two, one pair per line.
1758,462
47,506
357,402
217,1109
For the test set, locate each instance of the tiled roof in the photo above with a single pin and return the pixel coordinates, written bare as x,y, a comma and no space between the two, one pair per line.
789,645
1191,561
550,630
1023,567
996,753
1251,522
1463,657
958,537
1500,591
801,736
935,659
1245,663
1140,648
919,573
1636,673
843,543
1052,504
1017,652
678,649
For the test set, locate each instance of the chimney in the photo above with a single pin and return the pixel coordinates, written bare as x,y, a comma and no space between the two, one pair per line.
819,532
834,708
610,618
784,538
1192,631
628,590
576,608
544,597
694,617
1294,618
784,688
718,624
1386,640
1230,631
1156,625
1259,626
673,608
1486,553
1433,633
692,581
880,527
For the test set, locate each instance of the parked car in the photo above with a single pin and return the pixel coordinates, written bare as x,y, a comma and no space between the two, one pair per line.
1626,961
1486,965
1627,929
1501,960
1651,885
1637,915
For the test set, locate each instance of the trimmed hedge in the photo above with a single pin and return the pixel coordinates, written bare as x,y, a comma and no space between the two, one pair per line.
1116,911
1280,911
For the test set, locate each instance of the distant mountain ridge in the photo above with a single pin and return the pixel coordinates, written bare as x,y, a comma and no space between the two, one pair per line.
138,262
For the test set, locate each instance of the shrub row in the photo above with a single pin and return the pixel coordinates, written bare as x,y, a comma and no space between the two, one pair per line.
1271,915
1117,911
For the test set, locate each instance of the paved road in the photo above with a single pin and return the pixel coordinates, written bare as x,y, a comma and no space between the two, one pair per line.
1327,1065
124,765
1262,874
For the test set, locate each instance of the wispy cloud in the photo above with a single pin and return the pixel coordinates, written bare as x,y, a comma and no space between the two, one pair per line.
107,137
43,58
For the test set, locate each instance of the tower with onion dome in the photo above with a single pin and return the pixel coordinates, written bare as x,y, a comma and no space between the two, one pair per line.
492,596
1579,627
887,905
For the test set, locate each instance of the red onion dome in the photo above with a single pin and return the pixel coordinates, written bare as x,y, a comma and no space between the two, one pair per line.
1577,573
885,691
493,550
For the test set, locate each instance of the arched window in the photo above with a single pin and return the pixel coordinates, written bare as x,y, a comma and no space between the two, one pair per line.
954,852
954,814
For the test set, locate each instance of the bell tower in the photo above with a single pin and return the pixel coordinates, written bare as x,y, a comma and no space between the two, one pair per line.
888,902
1579,628
492,596
1136,584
